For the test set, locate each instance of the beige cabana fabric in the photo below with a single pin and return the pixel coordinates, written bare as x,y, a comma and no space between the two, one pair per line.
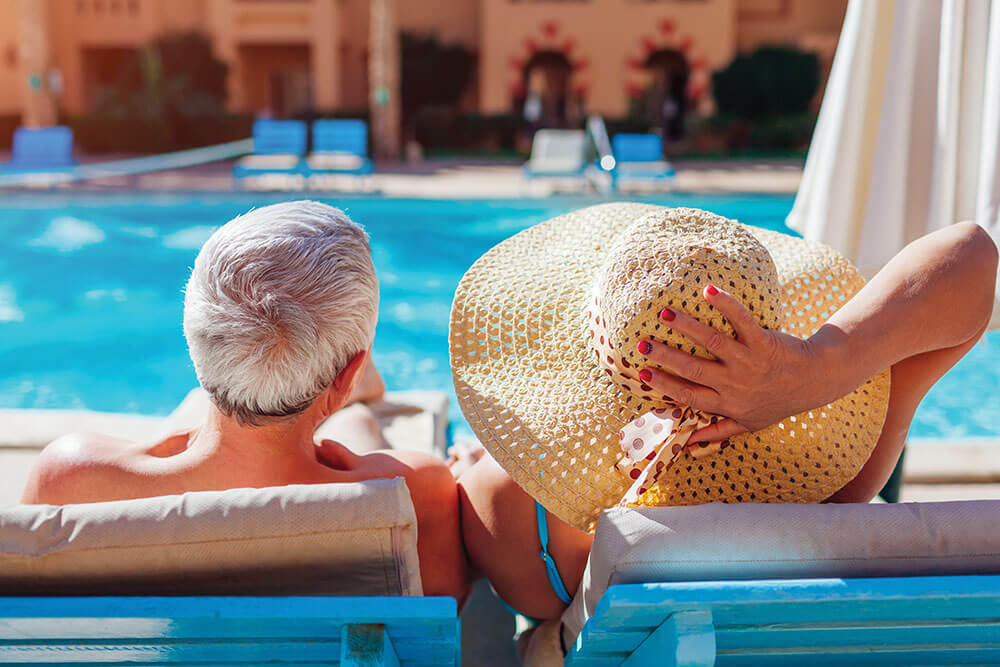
908,137
320,539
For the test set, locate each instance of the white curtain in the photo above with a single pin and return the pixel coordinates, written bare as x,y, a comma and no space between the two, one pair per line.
908,136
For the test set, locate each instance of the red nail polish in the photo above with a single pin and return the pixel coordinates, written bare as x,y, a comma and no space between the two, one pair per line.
667,315
644,347
711,290
645,375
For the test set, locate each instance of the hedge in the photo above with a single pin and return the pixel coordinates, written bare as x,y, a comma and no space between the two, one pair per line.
105,133
8,123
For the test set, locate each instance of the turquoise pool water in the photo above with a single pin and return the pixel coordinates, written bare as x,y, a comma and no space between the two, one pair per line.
90,295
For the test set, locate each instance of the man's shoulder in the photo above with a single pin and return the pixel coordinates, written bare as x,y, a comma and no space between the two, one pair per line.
77,467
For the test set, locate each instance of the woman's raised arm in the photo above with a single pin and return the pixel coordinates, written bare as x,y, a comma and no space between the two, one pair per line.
919,315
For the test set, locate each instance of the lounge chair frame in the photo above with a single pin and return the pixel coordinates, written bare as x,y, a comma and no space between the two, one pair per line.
873,621
355,631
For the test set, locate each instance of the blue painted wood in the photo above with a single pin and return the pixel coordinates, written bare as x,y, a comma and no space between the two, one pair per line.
366,645
221,630
685,639
912,620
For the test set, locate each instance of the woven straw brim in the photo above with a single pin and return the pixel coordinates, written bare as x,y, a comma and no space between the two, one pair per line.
529,385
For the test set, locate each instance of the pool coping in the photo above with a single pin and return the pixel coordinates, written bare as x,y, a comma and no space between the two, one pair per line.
928,461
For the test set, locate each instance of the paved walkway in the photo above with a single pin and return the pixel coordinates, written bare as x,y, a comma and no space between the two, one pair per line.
453,179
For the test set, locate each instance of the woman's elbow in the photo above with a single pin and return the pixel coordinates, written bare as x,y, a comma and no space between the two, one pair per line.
977,250
976,257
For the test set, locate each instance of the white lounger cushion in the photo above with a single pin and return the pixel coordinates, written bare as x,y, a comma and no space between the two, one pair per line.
271,161
774,541
331,539
336,160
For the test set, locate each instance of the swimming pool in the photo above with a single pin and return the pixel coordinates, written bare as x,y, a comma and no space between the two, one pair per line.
91,303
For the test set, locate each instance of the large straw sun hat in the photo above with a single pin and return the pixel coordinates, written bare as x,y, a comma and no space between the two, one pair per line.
543,338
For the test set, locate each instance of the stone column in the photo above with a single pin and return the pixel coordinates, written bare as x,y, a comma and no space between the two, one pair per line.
223,32
325,54
383,77
38,106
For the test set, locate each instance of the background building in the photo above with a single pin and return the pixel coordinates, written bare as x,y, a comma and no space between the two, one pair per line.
293,56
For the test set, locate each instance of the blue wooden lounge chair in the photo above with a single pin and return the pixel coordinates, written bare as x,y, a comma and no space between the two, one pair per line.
639,159
317,630
340,146
43,149
310,574
879,621
789,584
279,146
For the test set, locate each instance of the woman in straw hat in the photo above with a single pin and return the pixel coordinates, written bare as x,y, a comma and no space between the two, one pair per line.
628,354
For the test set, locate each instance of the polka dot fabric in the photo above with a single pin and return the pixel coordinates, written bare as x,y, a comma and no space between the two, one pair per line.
546,407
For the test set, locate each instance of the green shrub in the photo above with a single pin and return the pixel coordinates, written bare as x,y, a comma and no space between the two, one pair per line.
791,132
772,81
432,73
8,123
130,133
630,124
444,128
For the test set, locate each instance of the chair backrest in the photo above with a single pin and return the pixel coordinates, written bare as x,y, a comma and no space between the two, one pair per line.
42,148
343,135
637,147
314,539
745,541
271,137
558,150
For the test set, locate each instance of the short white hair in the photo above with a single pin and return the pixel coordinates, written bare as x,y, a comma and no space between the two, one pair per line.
279,301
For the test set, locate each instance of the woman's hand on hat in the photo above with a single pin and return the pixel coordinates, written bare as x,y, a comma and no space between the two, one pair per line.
755,380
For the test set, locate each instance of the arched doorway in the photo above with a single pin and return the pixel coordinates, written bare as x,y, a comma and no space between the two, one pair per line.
547,95
666,96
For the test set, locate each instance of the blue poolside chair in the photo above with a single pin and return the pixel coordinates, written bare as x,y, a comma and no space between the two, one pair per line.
278,149
339,148
300,574
43,149
752,584
639,159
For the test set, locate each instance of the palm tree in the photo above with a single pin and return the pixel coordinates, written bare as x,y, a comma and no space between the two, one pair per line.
38,107
383,76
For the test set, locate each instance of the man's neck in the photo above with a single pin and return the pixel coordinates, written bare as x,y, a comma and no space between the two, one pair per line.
288,440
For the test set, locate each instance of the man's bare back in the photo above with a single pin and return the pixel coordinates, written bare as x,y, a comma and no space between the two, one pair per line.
86,467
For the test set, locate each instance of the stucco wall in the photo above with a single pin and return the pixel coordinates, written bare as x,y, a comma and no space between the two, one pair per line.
606,40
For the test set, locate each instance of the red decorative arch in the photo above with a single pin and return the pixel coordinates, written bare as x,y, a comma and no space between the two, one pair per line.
666,36
549,35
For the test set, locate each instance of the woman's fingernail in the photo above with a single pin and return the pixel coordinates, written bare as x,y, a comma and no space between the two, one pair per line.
667,315
645,375
711,290
644,347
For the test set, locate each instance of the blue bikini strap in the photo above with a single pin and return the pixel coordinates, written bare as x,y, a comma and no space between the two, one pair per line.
550,565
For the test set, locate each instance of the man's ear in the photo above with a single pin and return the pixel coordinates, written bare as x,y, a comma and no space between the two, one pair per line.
345,382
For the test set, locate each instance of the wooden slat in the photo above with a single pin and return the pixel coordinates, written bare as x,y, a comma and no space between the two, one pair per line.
846,634
686,639
366,645
939,655
612,640
767,602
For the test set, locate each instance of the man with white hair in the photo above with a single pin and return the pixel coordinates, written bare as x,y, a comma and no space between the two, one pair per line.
279,316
